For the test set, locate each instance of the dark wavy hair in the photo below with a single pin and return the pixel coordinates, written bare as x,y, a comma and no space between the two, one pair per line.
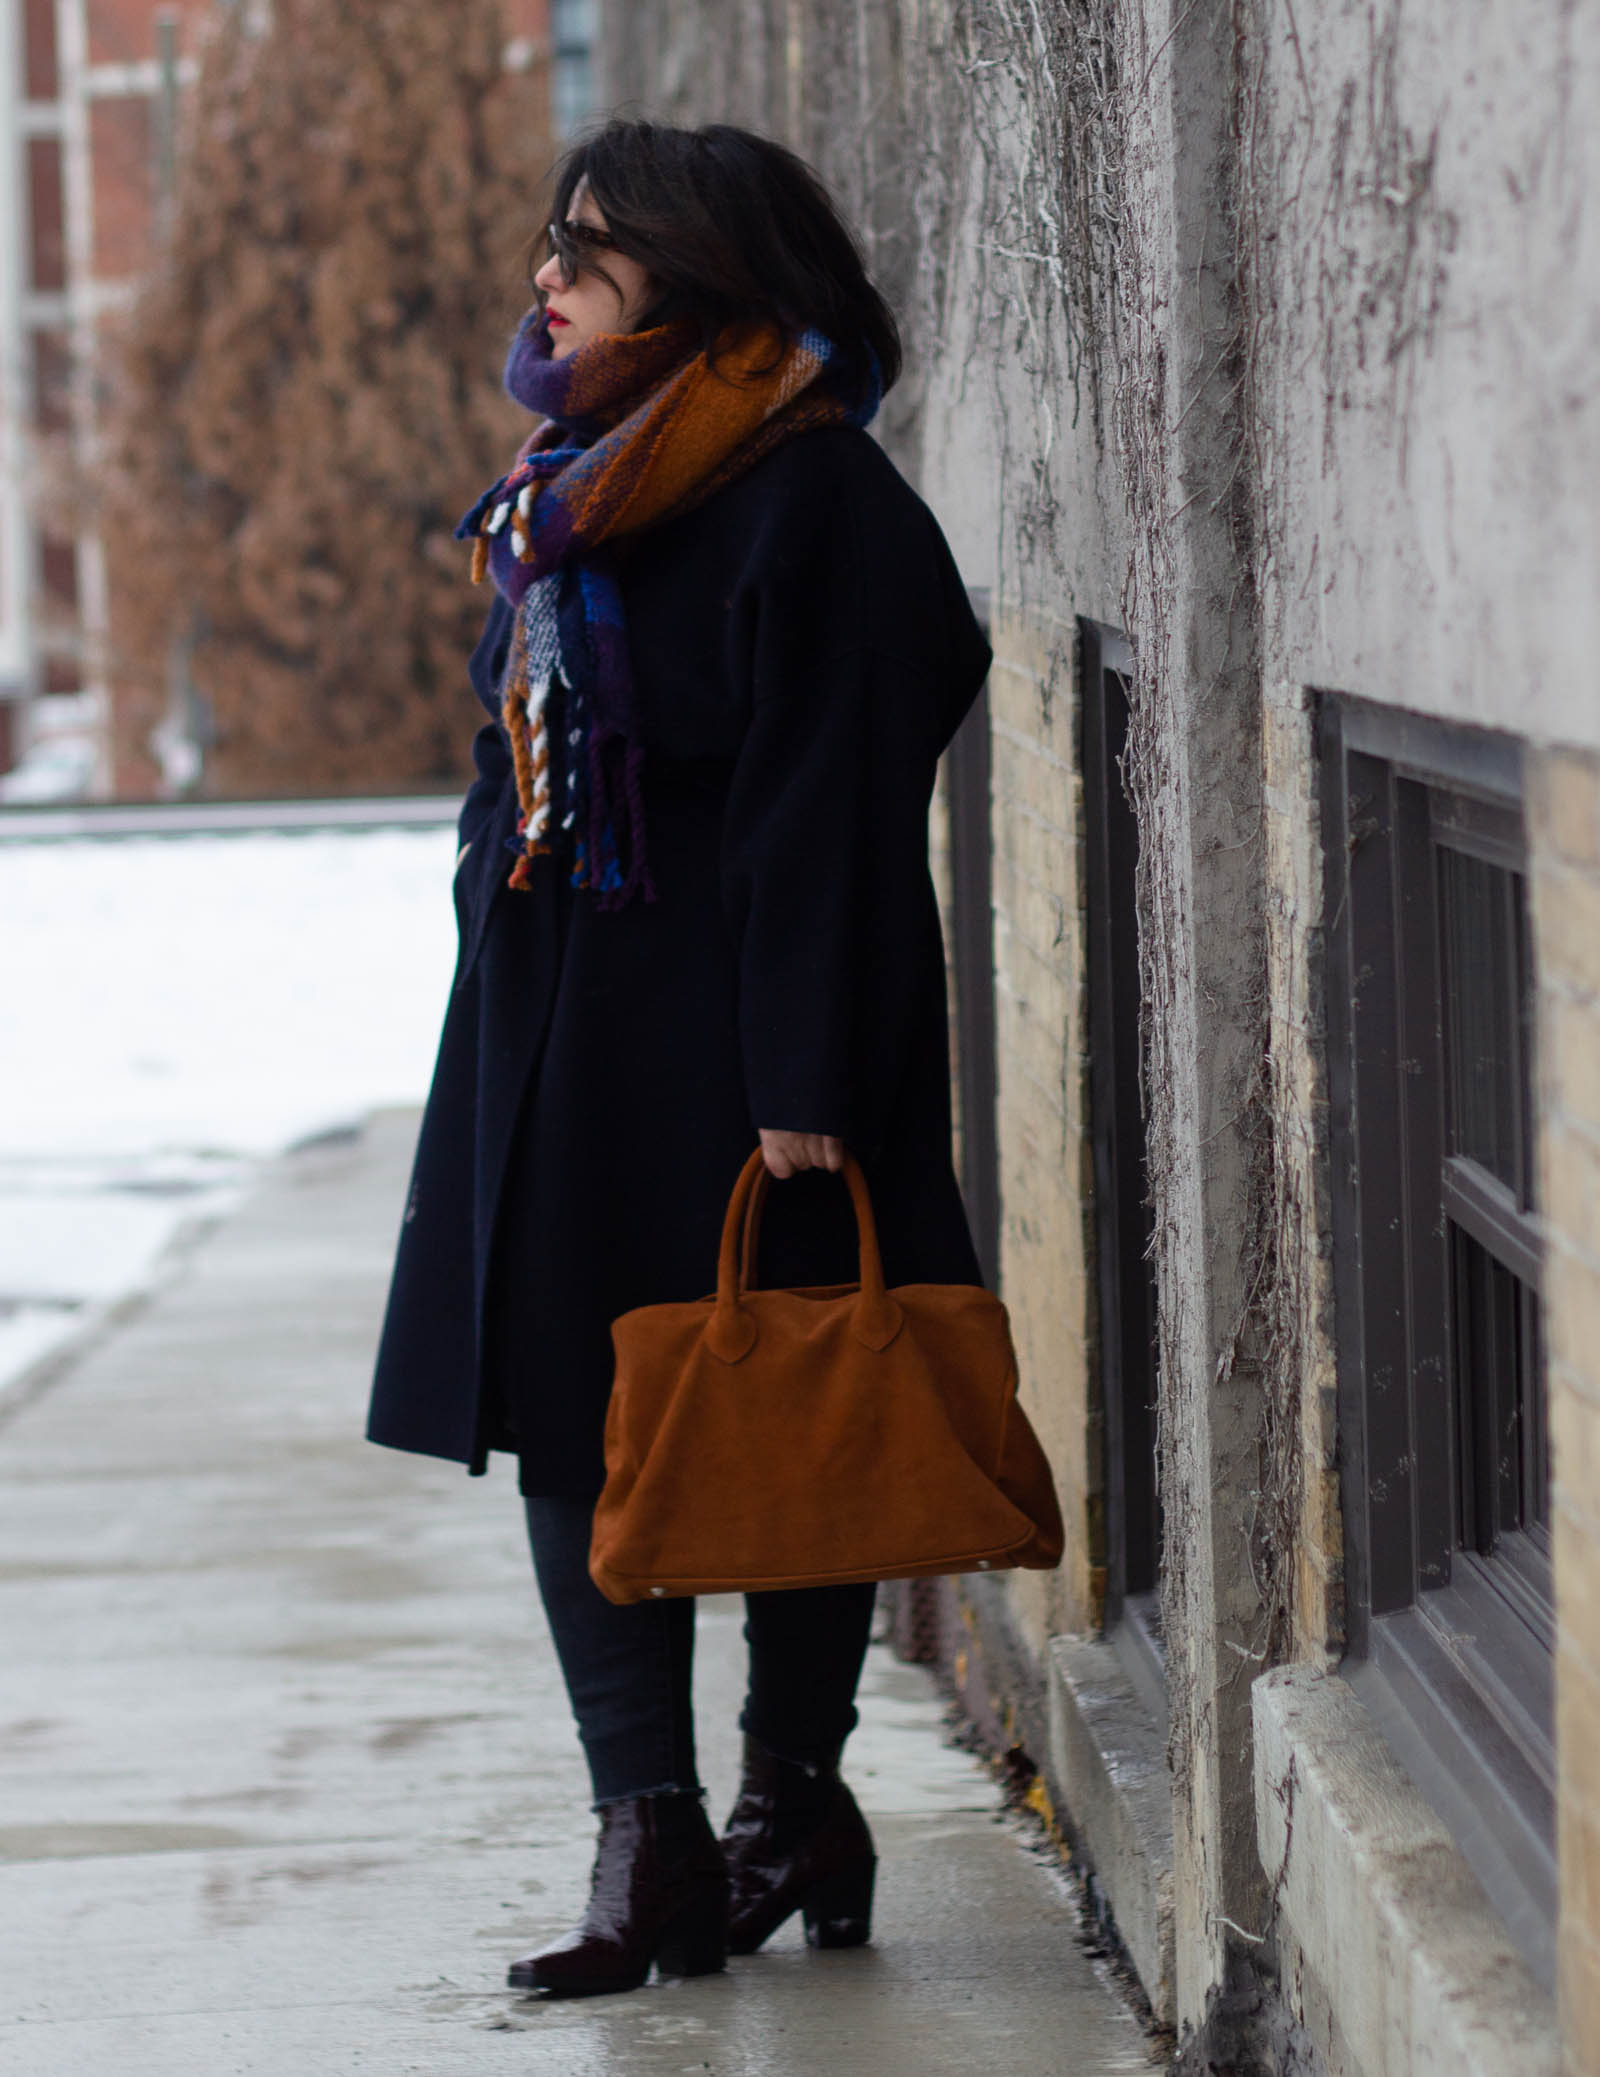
733,227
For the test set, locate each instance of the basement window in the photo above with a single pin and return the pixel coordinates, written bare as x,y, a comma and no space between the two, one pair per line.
1123,1222
1437,1261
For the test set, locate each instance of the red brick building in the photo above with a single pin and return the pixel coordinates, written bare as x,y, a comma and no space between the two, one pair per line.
88,109
90,105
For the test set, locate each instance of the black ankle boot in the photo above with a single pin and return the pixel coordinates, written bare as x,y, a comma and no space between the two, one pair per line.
659,1893
796,1841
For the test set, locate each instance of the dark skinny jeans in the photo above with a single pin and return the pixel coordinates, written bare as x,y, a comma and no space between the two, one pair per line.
628,1670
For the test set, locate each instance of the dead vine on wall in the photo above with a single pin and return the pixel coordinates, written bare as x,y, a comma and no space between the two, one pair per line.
1075,209
1022,148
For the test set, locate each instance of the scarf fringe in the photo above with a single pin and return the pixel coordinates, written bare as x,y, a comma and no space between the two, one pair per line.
648,430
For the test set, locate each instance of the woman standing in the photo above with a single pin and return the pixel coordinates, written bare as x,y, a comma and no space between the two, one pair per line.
727,646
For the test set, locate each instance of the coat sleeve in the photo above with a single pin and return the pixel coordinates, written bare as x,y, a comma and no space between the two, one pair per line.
827,887
491,758
491,754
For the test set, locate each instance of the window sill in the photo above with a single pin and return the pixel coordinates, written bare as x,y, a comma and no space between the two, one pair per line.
1406,1951
1481,1770
1141,1652
1108,1759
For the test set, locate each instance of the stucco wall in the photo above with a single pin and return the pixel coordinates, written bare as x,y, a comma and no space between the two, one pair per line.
1564,824
1307,1482
1267,333
1419,212
1039,1022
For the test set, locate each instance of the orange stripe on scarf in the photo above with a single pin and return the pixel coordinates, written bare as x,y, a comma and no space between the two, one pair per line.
702,427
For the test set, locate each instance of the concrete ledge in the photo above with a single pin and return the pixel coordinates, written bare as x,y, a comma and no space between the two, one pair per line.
1109,1762
1411,1959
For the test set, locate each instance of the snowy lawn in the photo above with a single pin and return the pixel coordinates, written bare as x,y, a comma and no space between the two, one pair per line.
174,1009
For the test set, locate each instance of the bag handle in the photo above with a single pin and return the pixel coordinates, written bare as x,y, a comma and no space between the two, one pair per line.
750,1245
732,1332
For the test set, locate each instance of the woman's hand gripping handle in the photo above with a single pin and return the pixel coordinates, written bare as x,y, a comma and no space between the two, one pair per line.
786,1153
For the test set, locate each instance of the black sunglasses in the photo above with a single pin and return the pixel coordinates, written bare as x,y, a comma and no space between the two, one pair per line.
571,242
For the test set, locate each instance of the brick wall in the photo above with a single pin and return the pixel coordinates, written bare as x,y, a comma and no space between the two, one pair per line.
47,268
95,95
120,147
86,222
1564,839
39,49
122,32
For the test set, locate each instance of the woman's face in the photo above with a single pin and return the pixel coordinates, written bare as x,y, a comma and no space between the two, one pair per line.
580,308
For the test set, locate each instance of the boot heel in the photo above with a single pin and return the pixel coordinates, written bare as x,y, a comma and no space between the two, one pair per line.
695,1943
838,1911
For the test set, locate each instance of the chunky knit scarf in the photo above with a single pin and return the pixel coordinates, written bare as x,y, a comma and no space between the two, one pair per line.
637,428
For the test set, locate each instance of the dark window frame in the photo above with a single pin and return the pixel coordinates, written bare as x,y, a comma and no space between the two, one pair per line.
1123,1220
968,771
1449,1648
1125,1277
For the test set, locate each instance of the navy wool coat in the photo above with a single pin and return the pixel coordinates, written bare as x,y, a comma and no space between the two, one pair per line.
802,651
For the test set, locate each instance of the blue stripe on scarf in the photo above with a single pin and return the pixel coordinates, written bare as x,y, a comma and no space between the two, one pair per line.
597,764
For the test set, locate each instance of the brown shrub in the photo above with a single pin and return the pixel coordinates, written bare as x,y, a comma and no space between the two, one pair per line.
306,395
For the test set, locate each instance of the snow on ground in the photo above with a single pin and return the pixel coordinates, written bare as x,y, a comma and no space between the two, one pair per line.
29,1332
174,1009
217,993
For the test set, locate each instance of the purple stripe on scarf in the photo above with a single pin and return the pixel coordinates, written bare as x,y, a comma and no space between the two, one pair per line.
584,465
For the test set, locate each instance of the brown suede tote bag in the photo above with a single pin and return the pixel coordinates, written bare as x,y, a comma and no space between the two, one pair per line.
804,1438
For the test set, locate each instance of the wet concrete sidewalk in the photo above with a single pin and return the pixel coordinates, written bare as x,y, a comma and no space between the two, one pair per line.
287,1776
